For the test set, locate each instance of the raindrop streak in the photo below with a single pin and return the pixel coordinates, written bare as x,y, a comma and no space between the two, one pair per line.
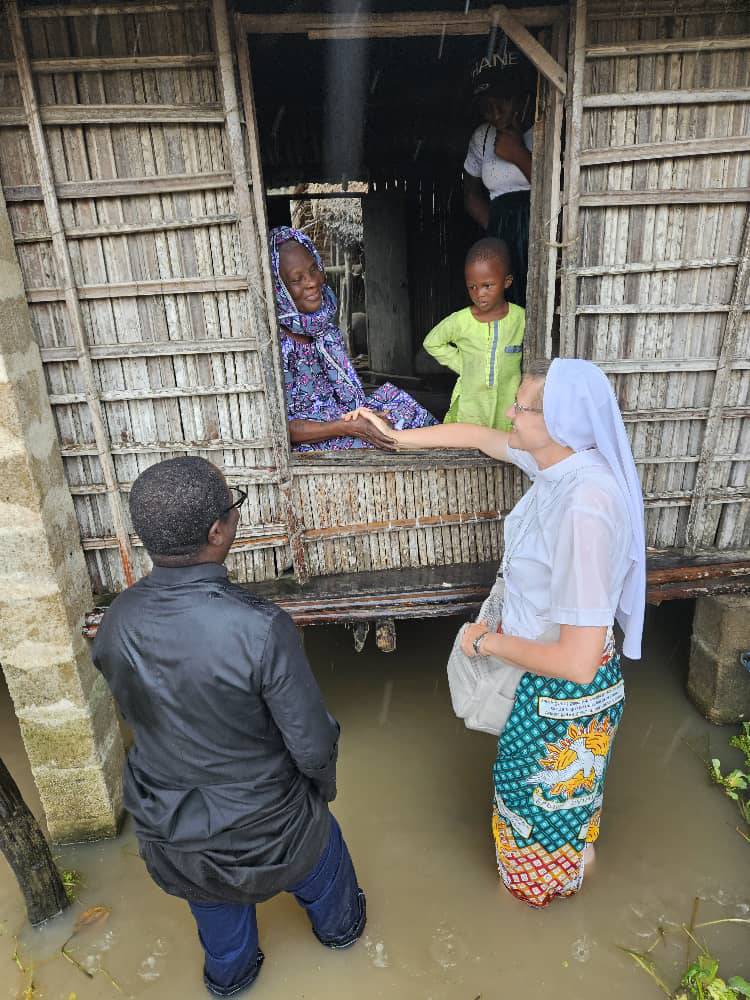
375,80
442,42
466,7
386,703
277,121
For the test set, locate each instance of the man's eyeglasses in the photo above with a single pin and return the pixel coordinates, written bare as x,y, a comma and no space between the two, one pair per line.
242,497
519,408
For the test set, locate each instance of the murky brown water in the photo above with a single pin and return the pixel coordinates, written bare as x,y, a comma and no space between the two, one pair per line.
414,804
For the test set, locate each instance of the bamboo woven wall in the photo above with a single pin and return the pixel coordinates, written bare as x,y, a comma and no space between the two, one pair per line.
170,323
370,511
142,249
655,286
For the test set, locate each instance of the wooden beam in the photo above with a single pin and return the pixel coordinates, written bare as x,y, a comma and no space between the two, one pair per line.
707,196
67,277
652,308
135,289
651,9
120,187
432,591
635,366
663,98
108,9
683,413
152,349
167,447
106,231
349,32
114,64
666,150
404,23
729,343
658,46
688,459
400,524
85,115
646,266
550,69
235,476
572,179
157,392
261,537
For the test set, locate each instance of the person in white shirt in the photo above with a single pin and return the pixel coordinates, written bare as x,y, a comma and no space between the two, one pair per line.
574,558
497,168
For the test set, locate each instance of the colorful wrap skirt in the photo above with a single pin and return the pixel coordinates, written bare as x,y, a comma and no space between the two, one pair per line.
549,779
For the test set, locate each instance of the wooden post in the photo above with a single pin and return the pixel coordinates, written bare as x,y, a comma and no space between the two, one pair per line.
27,853
345,301
272,356
389,339
546,64
553,202
545,212
730,336
571,237
68,282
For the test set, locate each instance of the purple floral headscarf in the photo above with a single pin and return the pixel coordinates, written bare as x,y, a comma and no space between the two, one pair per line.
310,324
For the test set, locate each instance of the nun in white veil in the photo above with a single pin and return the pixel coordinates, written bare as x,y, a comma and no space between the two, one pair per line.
574,560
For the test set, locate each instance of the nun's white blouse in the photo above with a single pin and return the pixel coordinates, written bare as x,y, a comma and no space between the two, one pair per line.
566,546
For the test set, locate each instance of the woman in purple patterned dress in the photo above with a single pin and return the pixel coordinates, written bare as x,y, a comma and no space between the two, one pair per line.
320,382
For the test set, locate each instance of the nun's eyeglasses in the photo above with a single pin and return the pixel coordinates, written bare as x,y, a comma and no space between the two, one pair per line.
234,490
519,408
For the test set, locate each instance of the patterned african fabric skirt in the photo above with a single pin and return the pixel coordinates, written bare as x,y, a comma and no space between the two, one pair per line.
549,779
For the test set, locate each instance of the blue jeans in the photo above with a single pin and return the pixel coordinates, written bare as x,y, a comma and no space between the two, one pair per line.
229,931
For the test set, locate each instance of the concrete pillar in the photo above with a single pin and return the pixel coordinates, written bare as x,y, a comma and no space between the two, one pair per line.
66,713
718,684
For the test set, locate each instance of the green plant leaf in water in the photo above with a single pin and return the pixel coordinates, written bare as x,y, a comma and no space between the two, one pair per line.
701,972
737,983
742,742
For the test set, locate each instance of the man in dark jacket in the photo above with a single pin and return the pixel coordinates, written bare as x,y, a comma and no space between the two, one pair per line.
234,756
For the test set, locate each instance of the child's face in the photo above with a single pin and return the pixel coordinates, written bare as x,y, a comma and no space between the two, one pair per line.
486,282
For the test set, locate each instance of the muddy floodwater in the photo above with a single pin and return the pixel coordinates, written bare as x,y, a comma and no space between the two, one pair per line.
414,804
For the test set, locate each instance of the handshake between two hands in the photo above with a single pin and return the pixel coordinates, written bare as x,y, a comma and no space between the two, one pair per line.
371,427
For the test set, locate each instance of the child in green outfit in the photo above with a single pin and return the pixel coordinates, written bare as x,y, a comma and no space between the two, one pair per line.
484,342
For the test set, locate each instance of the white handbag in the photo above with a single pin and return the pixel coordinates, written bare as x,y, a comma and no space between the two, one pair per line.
483,688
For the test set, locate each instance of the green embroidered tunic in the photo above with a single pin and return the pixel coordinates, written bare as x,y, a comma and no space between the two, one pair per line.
487,359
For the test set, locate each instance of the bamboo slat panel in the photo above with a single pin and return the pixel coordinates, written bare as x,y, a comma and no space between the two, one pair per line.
656,283
174,324
404,513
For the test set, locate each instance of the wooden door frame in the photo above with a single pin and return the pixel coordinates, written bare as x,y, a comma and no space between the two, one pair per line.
546,182
545,196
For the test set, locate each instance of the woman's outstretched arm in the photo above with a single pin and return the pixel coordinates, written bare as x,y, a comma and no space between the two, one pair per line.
491,442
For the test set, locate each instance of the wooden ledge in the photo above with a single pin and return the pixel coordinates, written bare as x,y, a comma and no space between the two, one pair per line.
435,591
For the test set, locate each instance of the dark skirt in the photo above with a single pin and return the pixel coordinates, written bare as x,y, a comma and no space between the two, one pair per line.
509,221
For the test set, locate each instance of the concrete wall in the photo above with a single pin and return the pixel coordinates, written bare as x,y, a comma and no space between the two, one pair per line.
64,707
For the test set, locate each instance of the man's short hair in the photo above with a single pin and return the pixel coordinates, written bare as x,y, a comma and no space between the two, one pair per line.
491,248
174,503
